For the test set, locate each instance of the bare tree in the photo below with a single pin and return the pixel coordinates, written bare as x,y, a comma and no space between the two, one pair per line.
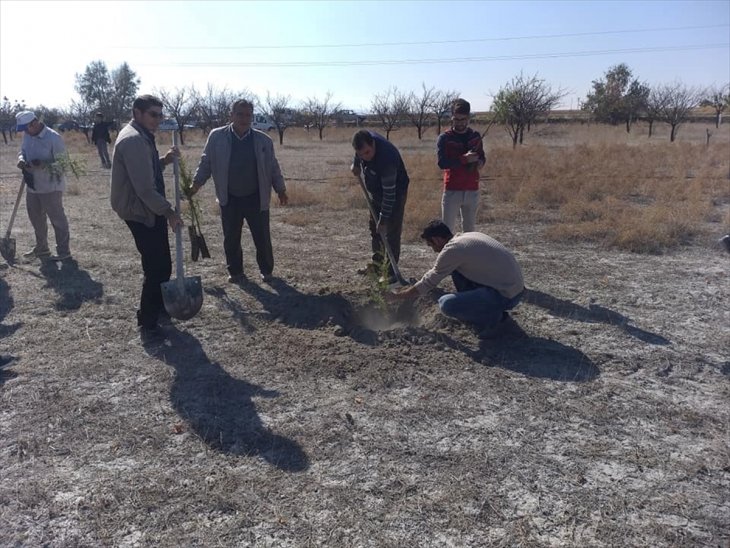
719,99
8,110
319,112
390,108
419,106
520,102
82,113
181,105
214,106
677,101
277,109
441,106
653,109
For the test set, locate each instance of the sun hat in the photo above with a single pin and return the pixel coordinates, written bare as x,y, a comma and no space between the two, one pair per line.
22,119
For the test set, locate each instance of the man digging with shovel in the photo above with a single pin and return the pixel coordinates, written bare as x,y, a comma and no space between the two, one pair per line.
379,164
138,197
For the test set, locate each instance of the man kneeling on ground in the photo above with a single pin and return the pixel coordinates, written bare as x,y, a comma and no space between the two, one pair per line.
486,275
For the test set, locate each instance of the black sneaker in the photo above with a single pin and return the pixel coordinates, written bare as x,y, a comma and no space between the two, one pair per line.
237,278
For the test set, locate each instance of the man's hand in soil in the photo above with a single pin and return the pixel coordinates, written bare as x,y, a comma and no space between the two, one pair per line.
403,294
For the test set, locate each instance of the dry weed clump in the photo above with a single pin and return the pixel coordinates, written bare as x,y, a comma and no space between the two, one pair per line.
424,193
642,199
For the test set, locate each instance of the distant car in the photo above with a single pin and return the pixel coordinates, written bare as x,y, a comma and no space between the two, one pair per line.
262,123
169,124
68,125
349,118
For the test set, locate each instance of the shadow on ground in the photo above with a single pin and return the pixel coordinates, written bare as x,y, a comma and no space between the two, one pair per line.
218,407
593,314
536,357
6,374
73,285
6,305
234,307
296,309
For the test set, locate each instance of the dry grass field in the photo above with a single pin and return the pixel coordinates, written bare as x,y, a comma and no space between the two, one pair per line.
298,413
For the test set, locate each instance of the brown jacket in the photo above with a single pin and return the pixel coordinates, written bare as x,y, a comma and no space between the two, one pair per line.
133,193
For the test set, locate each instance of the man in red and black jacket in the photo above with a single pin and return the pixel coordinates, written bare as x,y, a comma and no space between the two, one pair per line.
460,156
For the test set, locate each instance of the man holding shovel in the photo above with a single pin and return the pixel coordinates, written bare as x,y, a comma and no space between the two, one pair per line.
138,197
486,275
381,167
41,151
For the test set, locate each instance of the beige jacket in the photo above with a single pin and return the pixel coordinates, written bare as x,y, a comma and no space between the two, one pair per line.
478,258
217,156
133,193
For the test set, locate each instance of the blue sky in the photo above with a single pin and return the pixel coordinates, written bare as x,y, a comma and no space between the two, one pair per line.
253,45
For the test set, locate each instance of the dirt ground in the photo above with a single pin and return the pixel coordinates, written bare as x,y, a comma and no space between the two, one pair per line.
297,413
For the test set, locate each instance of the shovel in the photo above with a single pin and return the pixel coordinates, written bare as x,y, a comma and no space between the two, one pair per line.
383,238
7,244
182,296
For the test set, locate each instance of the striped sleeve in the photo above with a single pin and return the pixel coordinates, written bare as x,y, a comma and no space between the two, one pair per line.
387,180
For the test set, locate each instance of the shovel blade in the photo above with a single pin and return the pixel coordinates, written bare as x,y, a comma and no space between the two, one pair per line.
7,249
183,297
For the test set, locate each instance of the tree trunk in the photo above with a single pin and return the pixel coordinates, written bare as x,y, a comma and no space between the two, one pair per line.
387,134
515,136
321,130
281,136
438,125
180,131
718,120
651,127
420,132
522,134
628,124
673,133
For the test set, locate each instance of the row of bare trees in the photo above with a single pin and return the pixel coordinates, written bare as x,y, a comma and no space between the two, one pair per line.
617,97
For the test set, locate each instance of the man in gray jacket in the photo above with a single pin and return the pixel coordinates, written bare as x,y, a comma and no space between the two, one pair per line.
138,197
244,168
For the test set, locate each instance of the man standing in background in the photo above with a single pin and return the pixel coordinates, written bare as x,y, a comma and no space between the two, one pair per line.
100,137
40,159
460,156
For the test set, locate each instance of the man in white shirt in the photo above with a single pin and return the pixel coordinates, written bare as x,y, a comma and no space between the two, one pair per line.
40,160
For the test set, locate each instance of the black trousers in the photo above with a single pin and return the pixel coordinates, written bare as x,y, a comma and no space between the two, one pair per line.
395,227
233,214
153,245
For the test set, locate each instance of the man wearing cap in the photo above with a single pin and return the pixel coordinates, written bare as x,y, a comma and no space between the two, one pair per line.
138,197
40,152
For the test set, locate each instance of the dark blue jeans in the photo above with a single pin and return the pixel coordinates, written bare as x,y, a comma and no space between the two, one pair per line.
474,303
153,245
